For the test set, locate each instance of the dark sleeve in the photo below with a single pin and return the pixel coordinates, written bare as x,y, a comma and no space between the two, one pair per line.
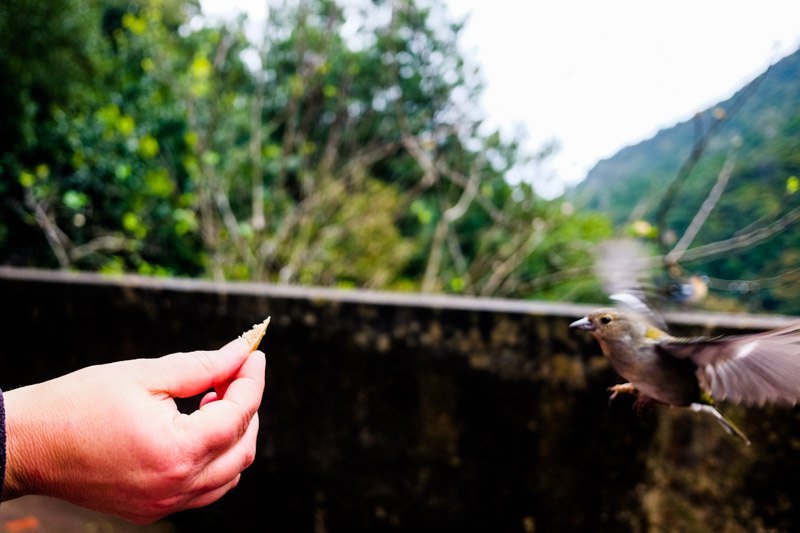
2,444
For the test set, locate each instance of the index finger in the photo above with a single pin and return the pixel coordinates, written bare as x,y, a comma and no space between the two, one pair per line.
222,423
185,374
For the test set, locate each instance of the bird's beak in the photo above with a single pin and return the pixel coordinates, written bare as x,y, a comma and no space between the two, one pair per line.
583,324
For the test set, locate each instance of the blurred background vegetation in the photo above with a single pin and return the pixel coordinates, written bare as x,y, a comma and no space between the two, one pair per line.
136,139
345,150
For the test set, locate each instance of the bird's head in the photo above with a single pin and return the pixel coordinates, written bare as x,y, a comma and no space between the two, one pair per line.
610,324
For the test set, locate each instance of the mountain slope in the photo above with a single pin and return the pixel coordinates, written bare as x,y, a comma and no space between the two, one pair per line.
617,184
761,129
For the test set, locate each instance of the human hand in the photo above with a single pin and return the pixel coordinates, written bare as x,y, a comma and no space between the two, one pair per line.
111,438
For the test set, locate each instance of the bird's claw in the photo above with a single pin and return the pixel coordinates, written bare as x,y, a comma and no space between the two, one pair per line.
625,388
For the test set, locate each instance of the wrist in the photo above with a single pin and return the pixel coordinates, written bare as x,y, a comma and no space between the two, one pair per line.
21,444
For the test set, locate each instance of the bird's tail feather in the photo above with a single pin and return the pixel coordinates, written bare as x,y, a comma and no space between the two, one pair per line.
726,424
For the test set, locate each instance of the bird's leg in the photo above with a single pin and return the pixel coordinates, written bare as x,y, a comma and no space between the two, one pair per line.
626,388
642,402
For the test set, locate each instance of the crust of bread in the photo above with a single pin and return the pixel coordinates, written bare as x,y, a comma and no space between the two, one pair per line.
253,337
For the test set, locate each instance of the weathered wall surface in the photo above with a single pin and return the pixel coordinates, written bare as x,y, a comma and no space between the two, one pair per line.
411,413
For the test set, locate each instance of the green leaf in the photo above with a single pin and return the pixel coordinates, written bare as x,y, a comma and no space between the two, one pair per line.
108,114
130,221
42,171
148,146
211,158
201,67
272,151
26,179
330,91
125,125
424,215
136,24
158,181
792,184
122,171
185,221
190,138
75,200
115,265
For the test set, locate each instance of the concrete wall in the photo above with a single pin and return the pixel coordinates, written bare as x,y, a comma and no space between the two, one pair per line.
414,413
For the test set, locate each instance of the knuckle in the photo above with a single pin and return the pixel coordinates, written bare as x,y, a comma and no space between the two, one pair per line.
169,504
249,455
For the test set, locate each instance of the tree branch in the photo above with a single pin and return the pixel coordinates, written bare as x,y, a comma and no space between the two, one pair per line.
505,268
705,210
701,141
435,256
56,238
743,241
454,247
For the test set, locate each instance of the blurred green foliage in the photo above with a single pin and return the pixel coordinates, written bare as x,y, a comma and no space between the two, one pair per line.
343,150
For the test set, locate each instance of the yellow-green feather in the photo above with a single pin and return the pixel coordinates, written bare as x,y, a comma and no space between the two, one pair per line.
655,333
706,399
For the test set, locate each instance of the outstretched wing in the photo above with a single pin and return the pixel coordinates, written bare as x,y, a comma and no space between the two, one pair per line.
621,266
749,369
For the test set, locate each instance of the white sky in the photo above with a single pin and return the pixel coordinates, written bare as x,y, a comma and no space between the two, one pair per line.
601,75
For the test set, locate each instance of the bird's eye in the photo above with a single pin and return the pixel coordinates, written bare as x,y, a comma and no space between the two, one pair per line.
605,319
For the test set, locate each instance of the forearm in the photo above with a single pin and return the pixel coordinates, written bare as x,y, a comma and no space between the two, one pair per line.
2,445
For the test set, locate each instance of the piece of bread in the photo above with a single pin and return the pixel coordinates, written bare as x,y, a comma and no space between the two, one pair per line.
253,337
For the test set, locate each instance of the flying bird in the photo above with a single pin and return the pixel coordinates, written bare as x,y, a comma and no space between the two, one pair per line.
693,372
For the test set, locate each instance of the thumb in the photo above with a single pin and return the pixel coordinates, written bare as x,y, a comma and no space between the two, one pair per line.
185,374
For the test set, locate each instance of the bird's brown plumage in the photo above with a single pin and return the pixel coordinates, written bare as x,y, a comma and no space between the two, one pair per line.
749,369
629,342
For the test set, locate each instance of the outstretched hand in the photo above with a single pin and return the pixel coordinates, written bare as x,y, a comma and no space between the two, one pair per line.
111,438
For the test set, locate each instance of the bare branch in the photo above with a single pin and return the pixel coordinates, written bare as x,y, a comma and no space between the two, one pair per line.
368,156
454,247
569,274
425,161
330,153
702,215
701,141
457,178
56,238
258,221
757,283
228,217
435,256
505,268
744,241
222,50
444,226
470,190
104,243
66,252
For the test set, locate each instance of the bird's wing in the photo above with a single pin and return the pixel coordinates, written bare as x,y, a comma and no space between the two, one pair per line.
621,265
749,369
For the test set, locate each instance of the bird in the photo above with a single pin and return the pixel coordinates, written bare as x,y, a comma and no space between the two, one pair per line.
696,372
